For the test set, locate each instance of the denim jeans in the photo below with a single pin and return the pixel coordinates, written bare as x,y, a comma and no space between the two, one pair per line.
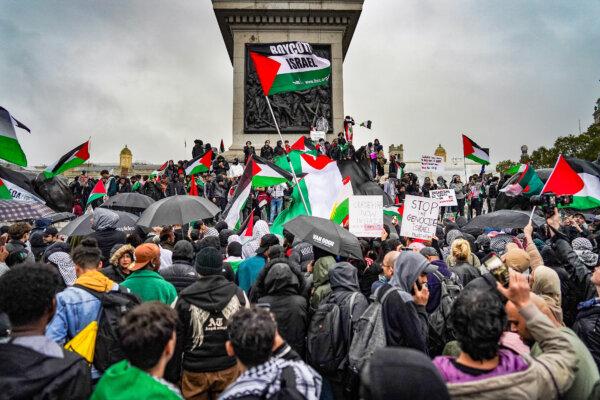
276,205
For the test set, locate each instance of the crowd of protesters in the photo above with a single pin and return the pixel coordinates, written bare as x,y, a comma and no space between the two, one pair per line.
198,312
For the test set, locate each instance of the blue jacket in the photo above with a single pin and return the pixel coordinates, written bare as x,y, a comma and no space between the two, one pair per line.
433,284
248,272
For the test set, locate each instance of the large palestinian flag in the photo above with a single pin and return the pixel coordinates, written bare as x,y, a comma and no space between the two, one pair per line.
265,173
72,159
98,192
289,66
200,164
474,152
576,177
19,185
10,149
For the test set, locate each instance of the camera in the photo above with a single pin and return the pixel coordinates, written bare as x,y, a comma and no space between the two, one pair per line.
548,201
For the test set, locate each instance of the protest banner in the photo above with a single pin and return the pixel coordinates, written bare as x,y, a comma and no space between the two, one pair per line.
366,216
316,135
420,217
446,197
432,163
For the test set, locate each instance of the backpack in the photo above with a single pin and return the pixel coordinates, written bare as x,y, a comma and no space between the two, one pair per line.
114,305
439,331
369,332
326,345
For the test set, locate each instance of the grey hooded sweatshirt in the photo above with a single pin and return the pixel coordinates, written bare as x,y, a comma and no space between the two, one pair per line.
343,279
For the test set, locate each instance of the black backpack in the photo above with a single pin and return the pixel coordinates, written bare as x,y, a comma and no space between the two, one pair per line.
439,331
114,305
326,346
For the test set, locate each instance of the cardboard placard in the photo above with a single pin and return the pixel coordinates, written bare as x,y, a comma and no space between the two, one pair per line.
432,163
446,197
366,216
420,217
315,136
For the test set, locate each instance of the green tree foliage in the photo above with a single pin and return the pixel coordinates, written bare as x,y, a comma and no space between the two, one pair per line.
504,165
585,146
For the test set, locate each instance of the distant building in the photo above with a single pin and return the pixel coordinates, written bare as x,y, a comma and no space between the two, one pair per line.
125,161
398,151
440,152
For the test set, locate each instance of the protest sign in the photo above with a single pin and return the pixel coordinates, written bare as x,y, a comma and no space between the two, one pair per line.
316,135
366,216
432,163
446,197
420,217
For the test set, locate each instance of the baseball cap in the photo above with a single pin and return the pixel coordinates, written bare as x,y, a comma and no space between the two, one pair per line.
144,253
267,241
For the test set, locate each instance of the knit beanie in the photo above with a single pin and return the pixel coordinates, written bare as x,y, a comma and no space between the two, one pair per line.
209,261
183,250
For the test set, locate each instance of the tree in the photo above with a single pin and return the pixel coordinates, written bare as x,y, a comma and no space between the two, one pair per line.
585,146
504,165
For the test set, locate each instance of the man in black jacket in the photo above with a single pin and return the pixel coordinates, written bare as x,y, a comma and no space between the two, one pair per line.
198,148
181,273
204,309
33,366
266,151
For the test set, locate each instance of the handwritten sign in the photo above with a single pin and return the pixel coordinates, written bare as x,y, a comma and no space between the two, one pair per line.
366,216
316,135
420,217
446,197
432,163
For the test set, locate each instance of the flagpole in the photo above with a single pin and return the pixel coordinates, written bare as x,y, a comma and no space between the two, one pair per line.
287,156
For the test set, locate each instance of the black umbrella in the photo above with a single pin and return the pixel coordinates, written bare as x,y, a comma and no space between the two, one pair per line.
60,216
326,235
82,225
15,210
503,219
178,210
128,201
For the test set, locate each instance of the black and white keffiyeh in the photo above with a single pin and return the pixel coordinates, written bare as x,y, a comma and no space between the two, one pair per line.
265,381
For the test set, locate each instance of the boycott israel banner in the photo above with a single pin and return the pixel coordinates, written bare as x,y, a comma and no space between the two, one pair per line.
432,163
289,66
420,217
365,216
446,197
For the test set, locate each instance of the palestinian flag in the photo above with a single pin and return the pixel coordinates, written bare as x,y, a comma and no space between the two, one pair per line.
366,124
249,227
320,186
528,183
288,67
163,167
576,177
193,187
473,152
515,169
265,173
304,144
341,208
234,208
72,159
10,149
136,186
222,147
200,164
4,192
19,186
98,192
394,211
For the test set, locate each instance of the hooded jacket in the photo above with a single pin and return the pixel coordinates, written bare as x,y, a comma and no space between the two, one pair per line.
282,291
586,323
181,273
36,240
105,231
113,270
343,279
204,309
434,285
553,369
28,374
405,323
321,287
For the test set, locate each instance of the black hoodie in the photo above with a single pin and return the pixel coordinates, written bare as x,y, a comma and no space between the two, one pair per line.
204,308
27,374
283,286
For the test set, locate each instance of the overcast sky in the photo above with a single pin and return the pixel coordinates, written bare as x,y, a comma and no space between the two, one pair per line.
151,74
